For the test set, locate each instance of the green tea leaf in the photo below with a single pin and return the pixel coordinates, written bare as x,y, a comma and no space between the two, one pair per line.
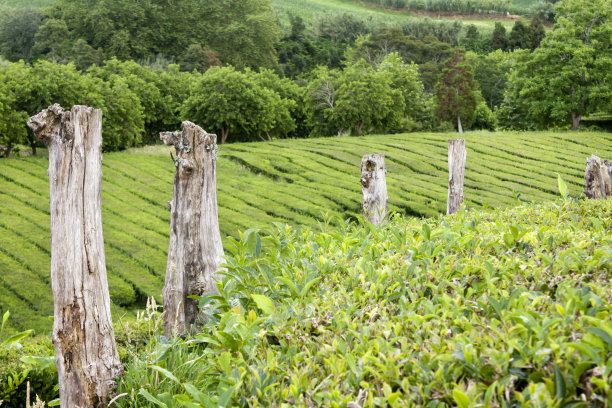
461,399
603,335
4,319
562,186
16,338
307,287
559,383
264,303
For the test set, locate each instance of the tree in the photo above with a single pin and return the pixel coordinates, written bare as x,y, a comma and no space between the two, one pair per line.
142,82
366,100
520,36
320,101
406,79
53,40
243,33
12,130
471,41
199,58
428,53
18,28
498,39
491,72
537,32
33,88
456,92
225,100
289,111
569,75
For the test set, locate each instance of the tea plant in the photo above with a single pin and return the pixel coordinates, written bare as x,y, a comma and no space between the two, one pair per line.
300,178
503,308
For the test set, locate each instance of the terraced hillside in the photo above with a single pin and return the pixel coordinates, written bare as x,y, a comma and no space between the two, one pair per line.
289,181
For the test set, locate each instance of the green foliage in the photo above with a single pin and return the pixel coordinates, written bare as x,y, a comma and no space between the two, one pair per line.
406,78
244,32
12,131
478,309
562,187
24,360
484,118
456,92
498,38
225,100
287,181
520,36
18,26
360,98
491,72
427,53
458,6
366,100
567,77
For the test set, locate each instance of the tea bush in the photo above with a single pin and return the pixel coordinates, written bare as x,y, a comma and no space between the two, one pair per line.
288,181
501,308
25,360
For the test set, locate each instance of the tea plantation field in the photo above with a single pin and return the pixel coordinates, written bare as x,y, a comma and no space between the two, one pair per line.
510,308
286,181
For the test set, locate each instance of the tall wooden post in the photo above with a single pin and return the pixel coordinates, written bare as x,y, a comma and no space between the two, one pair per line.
598,178
374,188
195,250
87,360
456,172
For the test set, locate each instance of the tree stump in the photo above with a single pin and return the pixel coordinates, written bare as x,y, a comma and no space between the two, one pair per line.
87,359
456,173
598,178
195,250
374,188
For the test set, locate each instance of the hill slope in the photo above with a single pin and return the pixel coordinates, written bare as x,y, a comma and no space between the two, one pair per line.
289,181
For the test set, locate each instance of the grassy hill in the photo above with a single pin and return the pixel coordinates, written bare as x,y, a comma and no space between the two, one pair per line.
287,181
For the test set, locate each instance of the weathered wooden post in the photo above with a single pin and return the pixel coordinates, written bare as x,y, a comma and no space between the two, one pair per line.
598,178
87,360
456,173
195,250
374,188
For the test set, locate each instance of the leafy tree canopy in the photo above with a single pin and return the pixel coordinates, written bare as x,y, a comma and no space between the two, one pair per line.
239,32
225,100
456,92
569,75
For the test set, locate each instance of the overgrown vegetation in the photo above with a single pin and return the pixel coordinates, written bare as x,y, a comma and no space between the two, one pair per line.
493,308
502,308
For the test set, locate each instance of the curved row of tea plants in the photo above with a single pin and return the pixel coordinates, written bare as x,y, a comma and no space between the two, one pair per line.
288,181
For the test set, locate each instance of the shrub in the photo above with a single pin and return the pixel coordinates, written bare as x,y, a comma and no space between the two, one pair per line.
477,309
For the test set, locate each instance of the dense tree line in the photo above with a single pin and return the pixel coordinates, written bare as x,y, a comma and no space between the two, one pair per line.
458,6
341,75
522,36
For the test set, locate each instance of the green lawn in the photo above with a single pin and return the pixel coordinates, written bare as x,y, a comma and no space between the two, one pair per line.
290,181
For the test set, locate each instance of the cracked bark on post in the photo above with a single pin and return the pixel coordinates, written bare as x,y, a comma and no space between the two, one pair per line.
374,188
195,250
598,178
456,173
87,360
